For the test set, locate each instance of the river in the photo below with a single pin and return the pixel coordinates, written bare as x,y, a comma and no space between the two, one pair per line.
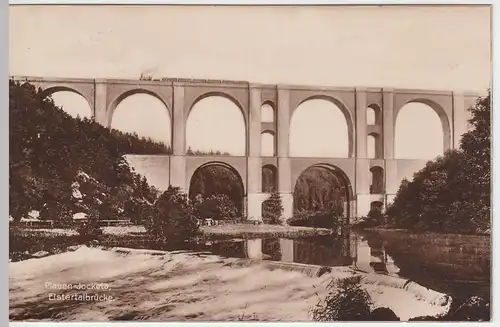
459,265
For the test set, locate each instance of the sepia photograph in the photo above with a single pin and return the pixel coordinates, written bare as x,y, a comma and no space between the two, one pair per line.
235,163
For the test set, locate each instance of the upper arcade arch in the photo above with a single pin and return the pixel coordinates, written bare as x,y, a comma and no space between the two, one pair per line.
442,105
144,114
310,119
411,120
216,123
62,88
237,93
118,99
73,103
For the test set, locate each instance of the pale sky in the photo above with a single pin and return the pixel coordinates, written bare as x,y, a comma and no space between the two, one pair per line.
403,47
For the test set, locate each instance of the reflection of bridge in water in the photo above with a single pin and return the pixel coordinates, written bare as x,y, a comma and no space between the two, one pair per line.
348,250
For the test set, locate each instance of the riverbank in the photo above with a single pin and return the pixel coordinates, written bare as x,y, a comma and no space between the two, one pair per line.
237,230
26,242
409,231
176,286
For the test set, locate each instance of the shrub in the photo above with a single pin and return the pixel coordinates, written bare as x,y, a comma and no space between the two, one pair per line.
55,211
346,301
383,314
171,219
90,229
373,219
218,207
272,210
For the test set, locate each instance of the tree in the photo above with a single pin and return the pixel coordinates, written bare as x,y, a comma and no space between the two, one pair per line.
171,220
218,207
272,209
452,192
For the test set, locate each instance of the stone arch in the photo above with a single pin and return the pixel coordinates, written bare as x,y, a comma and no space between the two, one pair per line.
374,146
441,113
229,168
269,178
268,139
267,112
376,205
343,179
373,115
228,99
122,96
377,180
342,107
50,91
224,95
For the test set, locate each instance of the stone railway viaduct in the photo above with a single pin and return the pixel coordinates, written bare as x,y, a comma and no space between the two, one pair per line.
368,180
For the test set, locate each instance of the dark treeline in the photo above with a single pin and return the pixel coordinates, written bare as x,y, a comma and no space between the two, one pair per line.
211,153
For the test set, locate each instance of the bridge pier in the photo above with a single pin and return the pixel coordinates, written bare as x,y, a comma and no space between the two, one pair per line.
100,105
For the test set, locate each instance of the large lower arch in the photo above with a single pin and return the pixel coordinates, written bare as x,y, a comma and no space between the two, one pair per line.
422,131
71,101
144,114
215,178
323,188
321,128
216,123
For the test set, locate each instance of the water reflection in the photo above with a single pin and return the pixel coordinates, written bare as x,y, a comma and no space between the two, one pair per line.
453,264
348,250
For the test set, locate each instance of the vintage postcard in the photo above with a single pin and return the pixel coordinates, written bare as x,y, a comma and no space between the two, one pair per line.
250,163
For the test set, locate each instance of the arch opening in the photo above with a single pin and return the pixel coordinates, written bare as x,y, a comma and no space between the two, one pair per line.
377,180
267,145
143,115
71,101
322,197
373,115
421,132
377,205
319,128
267,114
269,179
216,124
215,179
374,146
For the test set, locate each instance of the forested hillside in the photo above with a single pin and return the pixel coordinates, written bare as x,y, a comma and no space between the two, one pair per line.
60,165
